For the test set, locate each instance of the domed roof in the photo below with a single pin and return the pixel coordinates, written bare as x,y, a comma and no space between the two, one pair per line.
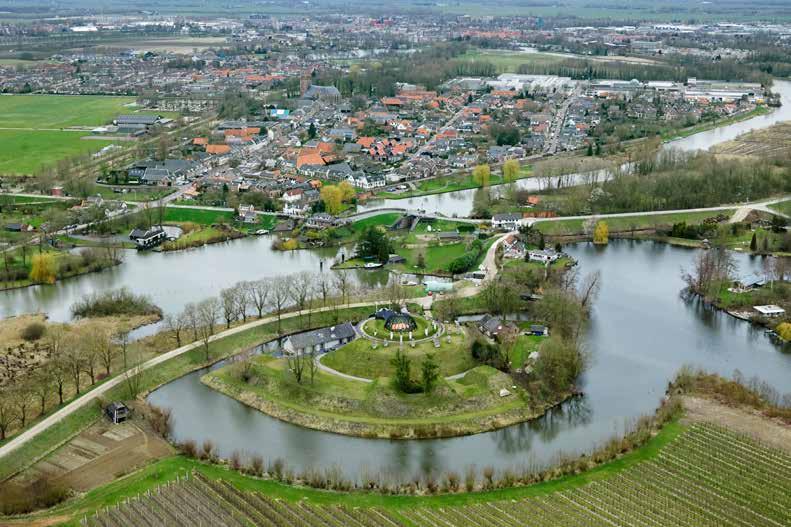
400,322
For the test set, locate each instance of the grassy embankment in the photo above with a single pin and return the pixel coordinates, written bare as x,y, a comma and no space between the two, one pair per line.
56,435
31,128
671,135
441,185
625,224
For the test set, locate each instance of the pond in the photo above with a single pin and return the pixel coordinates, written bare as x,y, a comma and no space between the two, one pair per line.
642,331
173,279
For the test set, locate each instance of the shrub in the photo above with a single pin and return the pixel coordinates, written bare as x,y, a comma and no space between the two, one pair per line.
41,494
256,467
33,331
114,303
189,448
236,460
784,331
161,420
207,450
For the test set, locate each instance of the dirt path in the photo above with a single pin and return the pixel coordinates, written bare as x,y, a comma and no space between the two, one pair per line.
741,420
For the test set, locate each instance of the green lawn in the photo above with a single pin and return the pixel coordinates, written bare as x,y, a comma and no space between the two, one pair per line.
358,358
437,257
385,220
782,207
200,216
60,111
27,151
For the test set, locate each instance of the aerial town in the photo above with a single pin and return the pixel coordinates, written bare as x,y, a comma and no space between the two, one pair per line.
418,264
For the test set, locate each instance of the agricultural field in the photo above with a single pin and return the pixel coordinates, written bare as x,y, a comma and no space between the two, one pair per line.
35,129
705,476
60,111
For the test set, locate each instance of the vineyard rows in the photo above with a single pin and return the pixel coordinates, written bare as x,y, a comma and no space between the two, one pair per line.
706,476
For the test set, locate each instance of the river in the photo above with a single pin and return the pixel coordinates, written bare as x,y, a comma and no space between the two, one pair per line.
641,333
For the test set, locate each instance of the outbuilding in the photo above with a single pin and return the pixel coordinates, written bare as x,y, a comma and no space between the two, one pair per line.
117,412
770,310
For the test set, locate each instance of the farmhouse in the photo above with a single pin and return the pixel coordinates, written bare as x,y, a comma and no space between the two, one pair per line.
508,221
492,326
544,256
320,340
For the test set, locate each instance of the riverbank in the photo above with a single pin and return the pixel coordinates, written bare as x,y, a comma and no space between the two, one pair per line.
450,183
469,405
711,125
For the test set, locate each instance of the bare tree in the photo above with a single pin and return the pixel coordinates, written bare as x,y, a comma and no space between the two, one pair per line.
243,300
395,291
22,399
589,289
302,286
74,358
208,313
258,292
7,412
324,288
42,382
228,305
176,324
56,341
298,362
281,289
190,314
343,283
711,269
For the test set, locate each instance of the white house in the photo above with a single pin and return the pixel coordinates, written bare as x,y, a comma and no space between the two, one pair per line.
545,256
508,221
770,310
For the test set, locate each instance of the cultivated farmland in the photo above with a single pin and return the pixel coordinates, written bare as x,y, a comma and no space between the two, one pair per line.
706,476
